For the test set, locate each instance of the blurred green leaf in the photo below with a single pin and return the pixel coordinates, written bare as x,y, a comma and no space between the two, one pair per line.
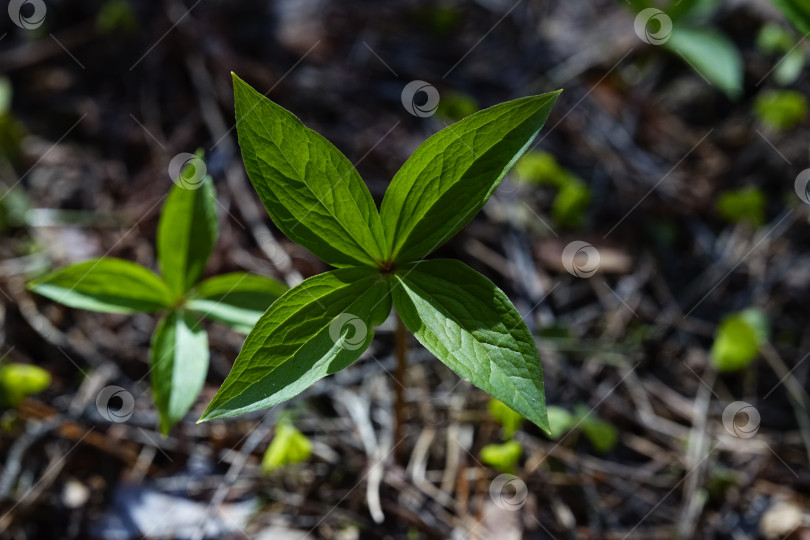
454,106
509,419
744,204
437,18
797,12
503,457
187,232
106,284
14,205
559,421
539,167
11,131
712,55
693,12
790,67
116,15
573,196
288,446
179,366
236,299
780,109
773,38
5,95
20,380
738,338
601,434
570,203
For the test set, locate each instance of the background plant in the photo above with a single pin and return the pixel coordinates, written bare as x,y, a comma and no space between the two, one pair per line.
685,30
186,235
317,198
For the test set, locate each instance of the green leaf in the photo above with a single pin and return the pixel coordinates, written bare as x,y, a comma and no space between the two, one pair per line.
797,12
179,366
456,105
790,67
186,234
108,285
288,446
315,329
309,188
780,109
773,38
450,177
470,325
509,419
503,457
559,421
712,55
742,205
601,434
738,338
20,380
540,167
236,299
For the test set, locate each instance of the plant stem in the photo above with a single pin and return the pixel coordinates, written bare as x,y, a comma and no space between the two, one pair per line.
399,378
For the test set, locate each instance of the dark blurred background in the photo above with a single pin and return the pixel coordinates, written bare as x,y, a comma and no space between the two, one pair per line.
675,157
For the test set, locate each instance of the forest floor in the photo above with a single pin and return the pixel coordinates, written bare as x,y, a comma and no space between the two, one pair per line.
104,96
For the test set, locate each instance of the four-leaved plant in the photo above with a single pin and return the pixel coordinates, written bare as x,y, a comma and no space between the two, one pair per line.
316,197
186,235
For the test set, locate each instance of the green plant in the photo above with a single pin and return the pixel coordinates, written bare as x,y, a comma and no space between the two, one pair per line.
288,446
454,106
186,235
573,195
20,380
738,339
12,131
742,205
602,435
684,29
317,198
505,456
506,417
773,39
780,109
797,12
116,16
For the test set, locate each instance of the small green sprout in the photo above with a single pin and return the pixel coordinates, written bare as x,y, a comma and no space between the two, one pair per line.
186,235
317,198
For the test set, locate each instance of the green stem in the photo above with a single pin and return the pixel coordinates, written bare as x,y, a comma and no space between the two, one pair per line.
399,378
